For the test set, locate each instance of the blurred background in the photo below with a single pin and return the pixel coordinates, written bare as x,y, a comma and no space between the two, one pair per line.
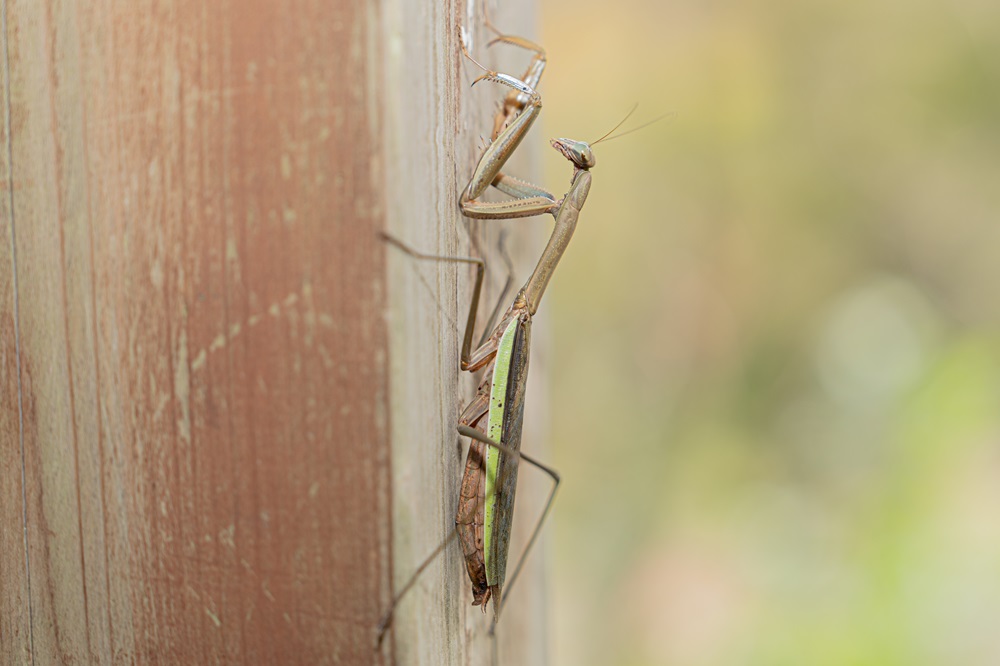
775,341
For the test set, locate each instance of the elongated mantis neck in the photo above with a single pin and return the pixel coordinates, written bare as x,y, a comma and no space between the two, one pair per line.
566,217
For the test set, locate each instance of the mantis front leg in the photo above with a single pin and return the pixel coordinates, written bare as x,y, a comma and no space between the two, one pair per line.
528,199
516,101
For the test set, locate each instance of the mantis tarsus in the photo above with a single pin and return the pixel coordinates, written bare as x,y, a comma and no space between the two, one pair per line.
493,419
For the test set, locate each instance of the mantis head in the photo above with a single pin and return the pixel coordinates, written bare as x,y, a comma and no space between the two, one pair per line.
581,154
577,152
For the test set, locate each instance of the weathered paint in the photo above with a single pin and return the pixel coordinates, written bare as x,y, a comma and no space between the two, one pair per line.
193,410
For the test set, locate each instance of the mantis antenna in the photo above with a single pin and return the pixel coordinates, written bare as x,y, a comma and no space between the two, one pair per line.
608,137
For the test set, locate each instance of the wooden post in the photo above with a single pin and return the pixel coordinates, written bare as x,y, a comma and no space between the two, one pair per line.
226,413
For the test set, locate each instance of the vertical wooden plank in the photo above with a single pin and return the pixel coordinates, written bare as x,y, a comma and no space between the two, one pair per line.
15,621
41,158
421,107
194,197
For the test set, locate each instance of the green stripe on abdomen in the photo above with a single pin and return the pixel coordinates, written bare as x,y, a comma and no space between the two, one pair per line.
494,430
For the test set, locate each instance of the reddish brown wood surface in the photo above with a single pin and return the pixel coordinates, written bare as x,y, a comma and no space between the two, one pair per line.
193,367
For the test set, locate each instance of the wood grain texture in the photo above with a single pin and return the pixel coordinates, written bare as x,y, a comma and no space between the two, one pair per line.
15,620
192,299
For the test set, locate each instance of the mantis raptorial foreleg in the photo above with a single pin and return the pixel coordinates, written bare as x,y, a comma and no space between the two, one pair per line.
528,199
515,101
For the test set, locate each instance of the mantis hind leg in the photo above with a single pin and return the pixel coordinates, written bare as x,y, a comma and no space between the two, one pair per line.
471,414
480,437
386,621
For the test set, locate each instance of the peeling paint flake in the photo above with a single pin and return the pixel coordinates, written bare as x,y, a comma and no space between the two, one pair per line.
232,253
227,537
218,343
214,617
156,274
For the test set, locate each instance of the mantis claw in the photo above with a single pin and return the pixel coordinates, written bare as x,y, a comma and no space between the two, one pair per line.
488,76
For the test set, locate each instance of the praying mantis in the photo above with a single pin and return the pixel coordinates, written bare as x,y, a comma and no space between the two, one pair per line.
493,419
